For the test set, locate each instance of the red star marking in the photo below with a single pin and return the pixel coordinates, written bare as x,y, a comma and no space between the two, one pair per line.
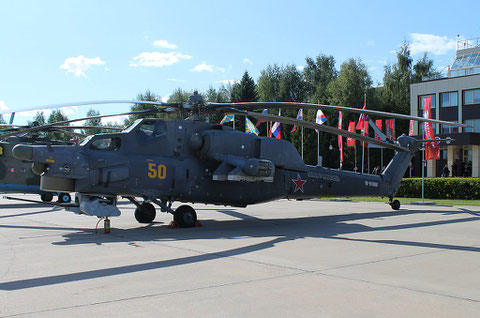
299,183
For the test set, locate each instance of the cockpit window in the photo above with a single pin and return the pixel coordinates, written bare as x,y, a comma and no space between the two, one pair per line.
149,130
109,144
86,140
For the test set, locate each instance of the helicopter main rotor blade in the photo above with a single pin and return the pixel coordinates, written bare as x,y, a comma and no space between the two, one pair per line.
69,133
95,102
87,127
48,126
325,128
260,105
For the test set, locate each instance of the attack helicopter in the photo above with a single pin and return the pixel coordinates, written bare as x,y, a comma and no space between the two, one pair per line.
16,176
159,161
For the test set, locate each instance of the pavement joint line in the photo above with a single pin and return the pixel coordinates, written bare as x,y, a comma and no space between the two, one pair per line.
153,295
399,287
436,251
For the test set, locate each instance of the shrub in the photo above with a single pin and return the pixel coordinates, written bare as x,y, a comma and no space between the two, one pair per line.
441,188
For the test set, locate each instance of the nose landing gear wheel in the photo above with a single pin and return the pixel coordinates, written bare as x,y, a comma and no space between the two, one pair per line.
145,213
185,216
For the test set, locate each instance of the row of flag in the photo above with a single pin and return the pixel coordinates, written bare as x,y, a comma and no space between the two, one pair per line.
432,151
276,128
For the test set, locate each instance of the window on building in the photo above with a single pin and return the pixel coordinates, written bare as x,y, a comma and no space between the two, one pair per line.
449,99
467,155
471,96
474,123
444,154
446,129
420,101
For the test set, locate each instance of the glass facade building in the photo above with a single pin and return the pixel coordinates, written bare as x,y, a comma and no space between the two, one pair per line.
454,98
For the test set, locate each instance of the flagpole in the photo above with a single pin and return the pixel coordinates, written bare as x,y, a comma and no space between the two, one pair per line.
318,148
363,154
381,159
368,162
302,143
355,148
423,171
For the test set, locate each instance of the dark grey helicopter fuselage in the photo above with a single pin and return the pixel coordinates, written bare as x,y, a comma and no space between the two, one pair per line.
193,161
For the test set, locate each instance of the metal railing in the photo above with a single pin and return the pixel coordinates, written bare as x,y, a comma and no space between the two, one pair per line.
468,44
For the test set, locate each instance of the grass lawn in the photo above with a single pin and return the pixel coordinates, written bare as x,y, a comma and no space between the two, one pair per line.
409,200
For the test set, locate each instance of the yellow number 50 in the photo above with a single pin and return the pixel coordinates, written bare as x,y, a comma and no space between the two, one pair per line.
157,171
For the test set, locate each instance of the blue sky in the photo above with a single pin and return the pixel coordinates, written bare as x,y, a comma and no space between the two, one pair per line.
68,51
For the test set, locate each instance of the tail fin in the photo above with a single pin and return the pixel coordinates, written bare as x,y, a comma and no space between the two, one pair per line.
395,170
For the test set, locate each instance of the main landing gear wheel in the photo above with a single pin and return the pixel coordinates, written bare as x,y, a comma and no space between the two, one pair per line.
185,216
46,197
64,198
395,204
145,213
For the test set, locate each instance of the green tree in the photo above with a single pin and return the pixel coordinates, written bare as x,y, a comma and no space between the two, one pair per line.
179,96
283,84
55,117
245,90
222,95
318,74
147,96
347,89
423,68
93,122
39,119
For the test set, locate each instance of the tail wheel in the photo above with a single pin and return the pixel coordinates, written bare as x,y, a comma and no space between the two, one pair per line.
46,197
185,216
64,198
395,204
145,213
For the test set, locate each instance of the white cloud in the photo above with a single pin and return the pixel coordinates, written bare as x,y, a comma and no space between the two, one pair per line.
3,106
435,44
157,59
67,111
78,65
371,43
165,99
204,67
247,61
175,80
164,44
300,67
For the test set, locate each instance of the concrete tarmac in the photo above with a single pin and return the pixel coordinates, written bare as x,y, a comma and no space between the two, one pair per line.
279,259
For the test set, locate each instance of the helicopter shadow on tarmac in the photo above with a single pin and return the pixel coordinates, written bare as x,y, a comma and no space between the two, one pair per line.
282,230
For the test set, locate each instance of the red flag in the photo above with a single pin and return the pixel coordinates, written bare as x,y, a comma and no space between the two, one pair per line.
361,119
364,132
432,151
410,130
340,138
390,128
378,123
351,141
